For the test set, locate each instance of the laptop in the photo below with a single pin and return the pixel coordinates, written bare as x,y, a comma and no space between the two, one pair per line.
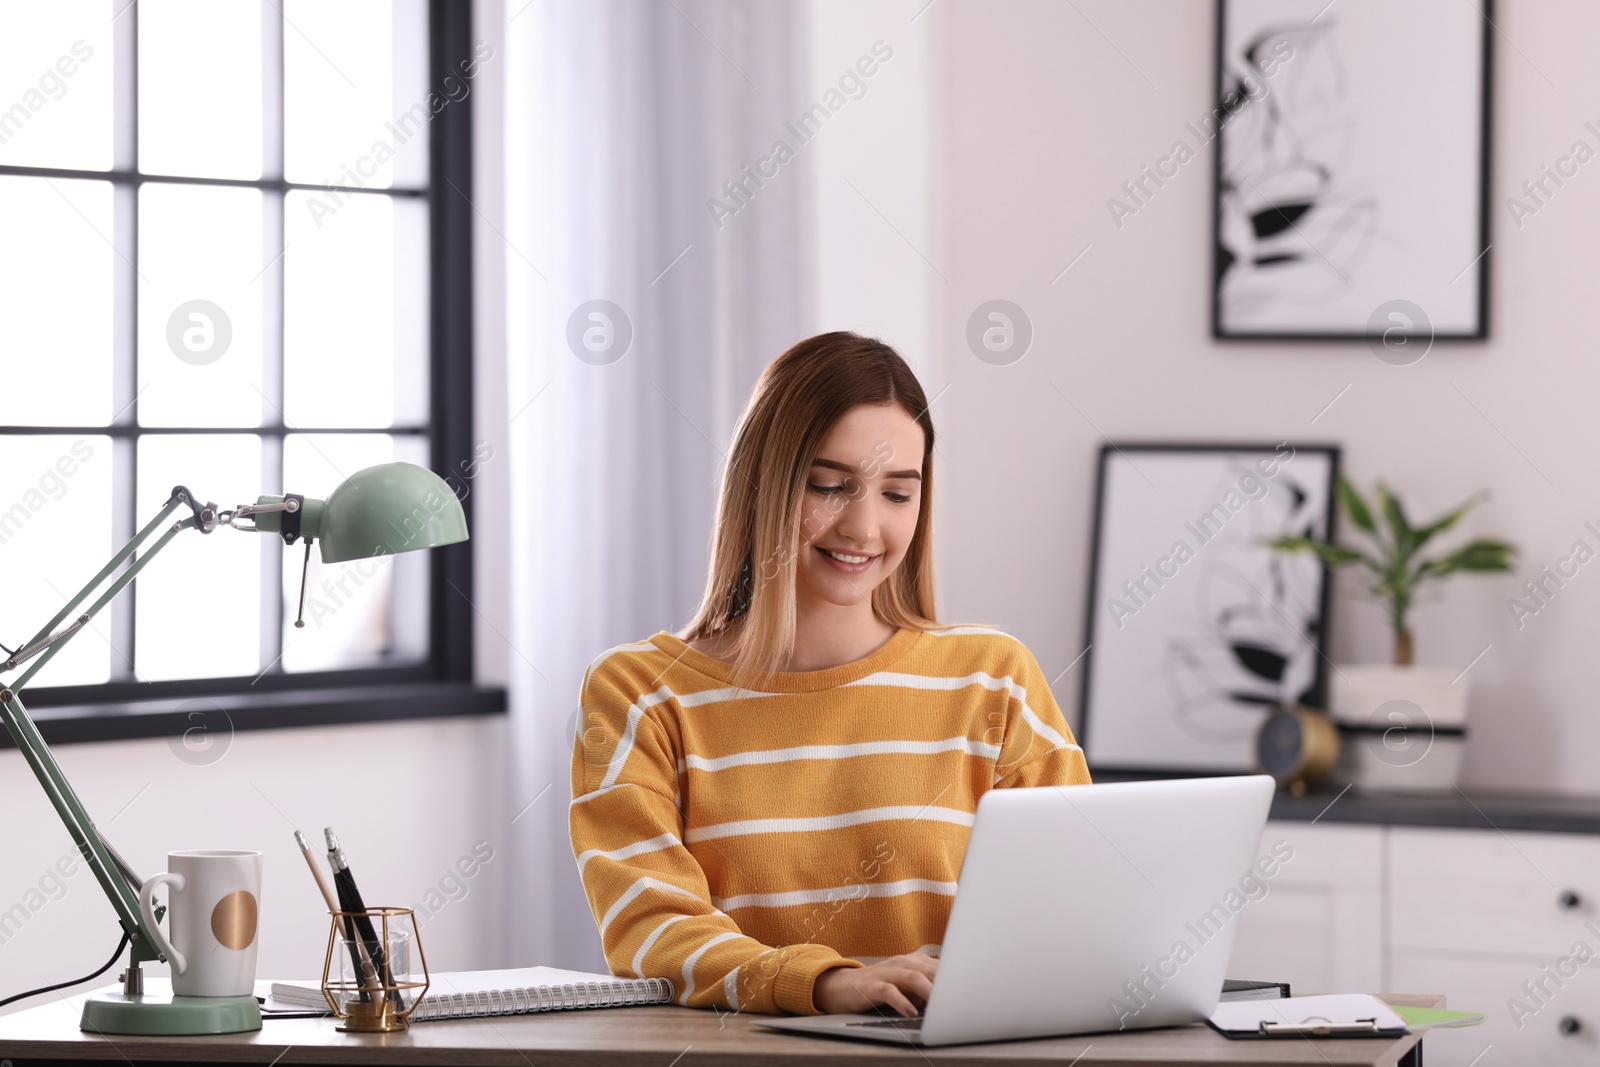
1084,909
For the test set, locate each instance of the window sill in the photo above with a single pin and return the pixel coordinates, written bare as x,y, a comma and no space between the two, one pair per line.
288,709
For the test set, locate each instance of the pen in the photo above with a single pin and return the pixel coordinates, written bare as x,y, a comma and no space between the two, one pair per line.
350,898
364,970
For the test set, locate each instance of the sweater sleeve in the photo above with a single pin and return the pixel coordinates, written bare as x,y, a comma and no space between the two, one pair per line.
650,898
1039,748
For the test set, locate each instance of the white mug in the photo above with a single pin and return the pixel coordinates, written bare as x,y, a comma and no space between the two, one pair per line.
212,909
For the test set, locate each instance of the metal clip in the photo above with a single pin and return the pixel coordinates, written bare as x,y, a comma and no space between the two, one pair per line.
246,511
1322,1028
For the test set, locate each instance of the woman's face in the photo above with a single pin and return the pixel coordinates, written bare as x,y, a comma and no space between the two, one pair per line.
863,495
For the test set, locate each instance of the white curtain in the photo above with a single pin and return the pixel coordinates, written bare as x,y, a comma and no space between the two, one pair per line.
622,120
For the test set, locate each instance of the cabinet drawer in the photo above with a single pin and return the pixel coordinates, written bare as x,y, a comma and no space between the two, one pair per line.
1481,891
1488,986
1314,928
1319,939
1325,854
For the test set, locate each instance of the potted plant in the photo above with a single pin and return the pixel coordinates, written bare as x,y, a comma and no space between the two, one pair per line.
1402,726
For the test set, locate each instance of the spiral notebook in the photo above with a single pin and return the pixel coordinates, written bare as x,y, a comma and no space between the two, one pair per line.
470,994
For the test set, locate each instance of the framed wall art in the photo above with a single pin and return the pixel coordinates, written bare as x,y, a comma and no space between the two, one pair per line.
1352,179
1195,628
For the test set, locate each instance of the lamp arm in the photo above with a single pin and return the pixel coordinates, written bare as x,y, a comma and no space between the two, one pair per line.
116,561
91,846
110,870
111,591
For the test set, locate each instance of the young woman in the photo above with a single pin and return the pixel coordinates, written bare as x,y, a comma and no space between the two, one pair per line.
771,809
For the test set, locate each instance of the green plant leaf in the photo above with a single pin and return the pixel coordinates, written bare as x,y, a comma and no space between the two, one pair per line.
1485,556
1395,570
1350,500
1332,555
1399,527
1446,521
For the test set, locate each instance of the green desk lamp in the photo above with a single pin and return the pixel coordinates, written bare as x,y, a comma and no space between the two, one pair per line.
380,511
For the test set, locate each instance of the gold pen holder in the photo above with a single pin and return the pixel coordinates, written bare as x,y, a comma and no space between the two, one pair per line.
368,977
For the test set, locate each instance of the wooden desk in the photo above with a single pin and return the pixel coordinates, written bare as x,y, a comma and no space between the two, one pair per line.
657,1037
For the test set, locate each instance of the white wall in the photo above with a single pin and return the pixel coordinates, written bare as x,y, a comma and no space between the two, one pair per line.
874,179
428,792
1044,110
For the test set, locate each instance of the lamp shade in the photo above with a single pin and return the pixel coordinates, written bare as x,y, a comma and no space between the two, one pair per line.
388,509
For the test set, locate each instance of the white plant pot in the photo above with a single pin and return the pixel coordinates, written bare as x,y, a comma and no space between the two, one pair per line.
1401,729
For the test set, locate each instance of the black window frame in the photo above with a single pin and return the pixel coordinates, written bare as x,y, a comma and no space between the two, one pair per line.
441,685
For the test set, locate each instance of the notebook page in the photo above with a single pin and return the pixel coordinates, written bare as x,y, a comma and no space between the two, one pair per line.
465,994
447,982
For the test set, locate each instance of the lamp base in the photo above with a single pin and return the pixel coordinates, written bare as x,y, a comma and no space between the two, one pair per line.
168,1015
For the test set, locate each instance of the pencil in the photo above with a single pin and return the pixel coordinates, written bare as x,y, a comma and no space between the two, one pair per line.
316,872
364,971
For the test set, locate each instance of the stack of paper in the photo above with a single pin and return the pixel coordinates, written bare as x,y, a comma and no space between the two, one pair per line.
1335,1010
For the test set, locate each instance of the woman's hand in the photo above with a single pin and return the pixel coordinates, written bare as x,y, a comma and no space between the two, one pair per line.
900,982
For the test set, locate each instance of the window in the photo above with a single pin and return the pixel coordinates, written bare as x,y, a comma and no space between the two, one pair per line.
237,258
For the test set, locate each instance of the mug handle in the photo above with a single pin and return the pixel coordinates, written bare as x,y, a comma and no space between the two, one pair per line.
179,964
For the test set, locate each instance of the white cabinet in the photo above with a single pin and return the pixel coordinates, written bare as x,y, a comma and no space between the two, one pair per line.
1505,1038
1319,925
1488,892
1507,924
1504,924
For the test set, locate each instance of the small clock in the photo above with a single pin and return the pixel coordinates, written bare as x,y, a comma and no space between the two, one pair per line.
1298,746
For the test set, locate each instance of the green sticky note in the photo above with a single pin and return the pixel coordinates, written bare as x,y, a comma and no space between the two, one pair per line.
1421,1018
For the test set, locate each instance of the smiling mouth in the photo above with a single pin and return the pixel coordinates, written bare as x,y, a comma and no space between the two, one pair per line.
848,562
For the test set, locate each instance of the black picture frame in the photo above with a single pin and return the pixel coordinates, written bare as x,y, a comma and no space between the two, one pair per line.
1382,327
1095,723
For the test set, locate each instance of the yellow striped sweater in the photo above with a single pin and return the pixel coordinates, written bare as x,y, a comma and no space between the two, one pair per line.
739,843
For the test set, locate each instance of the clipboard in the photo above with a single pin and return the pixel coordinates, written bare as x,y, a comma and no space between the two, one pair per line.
1357,1015
1269,1030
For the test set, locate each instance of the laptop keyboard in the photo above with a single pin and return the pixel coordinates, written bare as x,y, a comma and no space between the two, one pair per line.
895,1024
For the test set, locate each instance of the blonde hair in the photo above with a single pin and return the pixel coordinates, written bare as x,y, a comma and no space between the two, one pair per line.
750,589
